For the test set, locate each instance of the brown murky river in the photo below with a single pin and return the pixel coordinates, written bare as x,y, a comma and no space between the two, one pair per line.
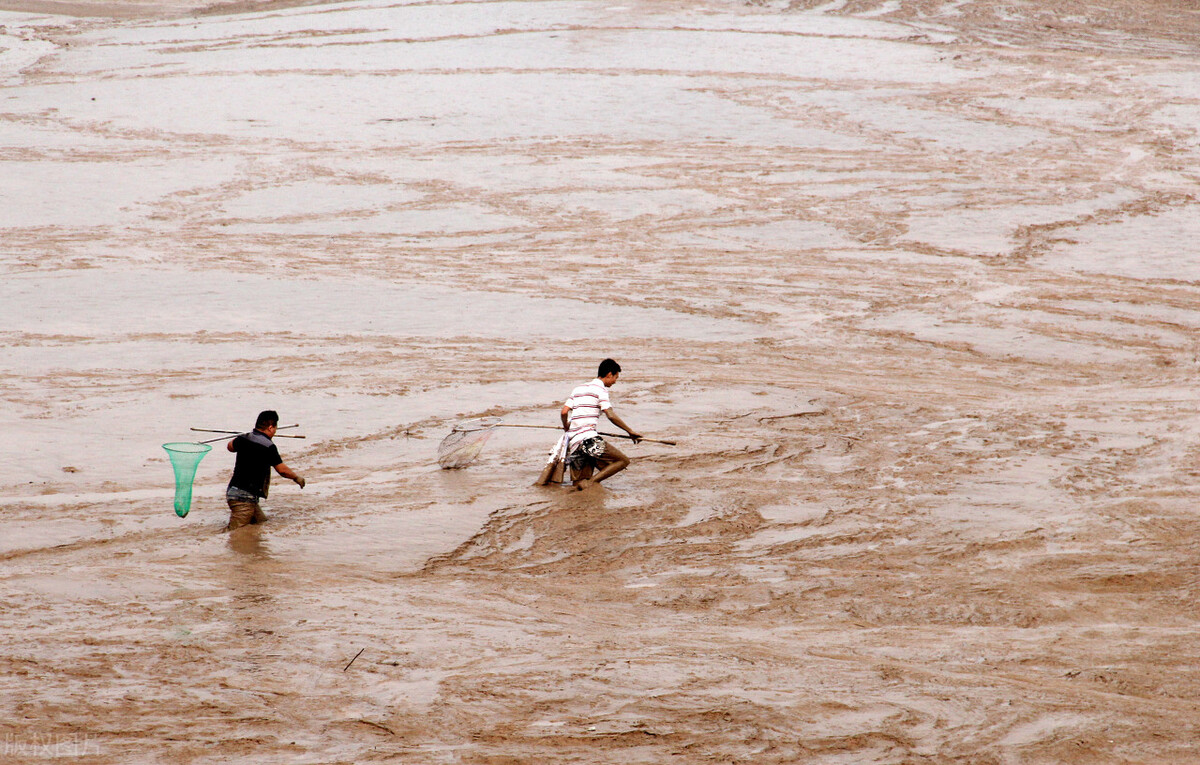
913,284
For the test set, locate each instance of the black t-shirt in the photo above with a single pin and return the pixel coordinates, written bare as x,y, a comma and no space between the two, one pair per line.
256,455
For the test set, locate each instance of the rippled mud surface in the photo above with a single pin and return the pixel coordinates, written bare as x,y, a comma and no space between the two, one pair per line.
913,284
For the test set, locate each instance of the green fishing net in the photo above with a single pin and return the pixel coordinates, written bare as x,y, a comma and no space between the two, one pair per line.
185,458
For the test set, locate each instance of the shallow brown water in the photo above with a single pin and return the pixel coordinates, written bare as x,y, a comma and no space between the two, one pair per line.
922,320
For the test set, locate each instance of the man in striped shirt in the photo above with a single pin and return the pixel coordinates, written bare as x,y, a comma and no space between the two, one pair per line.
586,450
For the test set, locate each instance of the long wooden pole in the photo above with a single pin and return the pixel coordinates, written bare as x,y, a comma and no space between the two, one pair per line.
237,432
611,435
234,433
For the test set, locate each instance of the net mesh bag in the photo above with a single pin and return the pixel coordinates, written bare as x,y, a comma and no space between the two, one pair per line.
465,442
185,458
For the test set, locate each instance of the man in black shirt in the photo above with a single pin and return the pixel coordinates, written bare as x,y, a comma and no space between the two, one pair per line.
256,455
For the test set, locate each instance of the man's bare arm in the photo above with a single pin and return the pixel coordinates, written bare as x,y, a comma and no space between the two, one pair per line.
290,474
616,420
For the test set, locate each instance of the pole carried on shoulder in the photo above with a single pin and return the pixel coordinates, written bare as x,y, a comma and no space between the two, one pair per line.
234,433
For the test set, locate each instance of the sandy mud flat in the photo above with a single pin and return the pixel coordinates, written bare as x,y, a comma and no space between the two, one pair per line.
912,283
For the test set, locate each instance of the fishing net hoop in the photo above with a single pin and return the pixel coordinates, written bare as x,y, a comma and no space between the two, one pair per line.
187,447
478,423
465,441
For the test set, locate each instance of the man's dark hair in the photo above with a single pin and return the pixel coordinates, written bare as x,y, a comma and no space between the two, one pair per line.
607,366
266,419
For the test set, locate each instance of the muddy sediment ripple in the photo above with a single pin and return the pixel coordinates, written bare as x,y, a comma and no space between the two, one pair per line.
913,284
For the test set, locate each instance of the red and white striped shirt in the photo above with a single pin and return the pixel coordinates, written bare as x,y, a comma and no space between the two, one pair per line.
586,403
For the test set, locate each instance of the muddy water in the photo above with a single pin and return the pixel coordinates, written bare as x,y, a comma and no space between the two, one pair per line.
912,285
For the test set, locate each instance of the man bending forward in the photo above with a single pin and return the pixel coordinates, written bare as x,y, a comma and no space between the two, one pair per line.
587,452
